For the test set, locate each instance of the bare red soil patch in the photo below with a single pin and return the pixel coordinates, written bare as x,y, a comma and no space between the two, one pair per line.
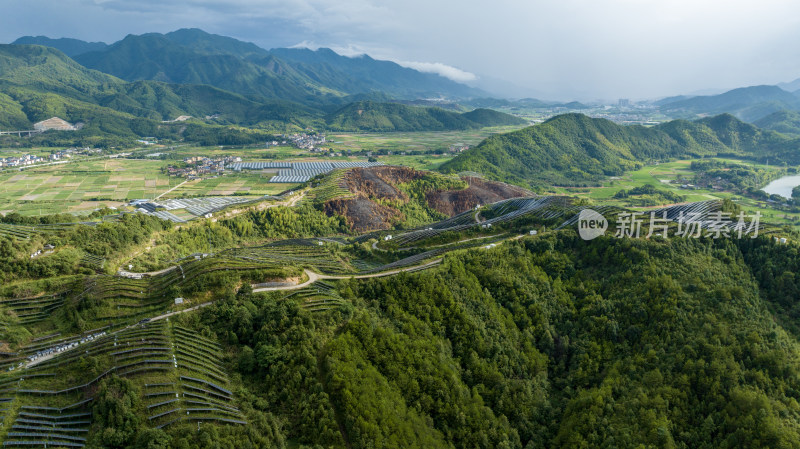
480,191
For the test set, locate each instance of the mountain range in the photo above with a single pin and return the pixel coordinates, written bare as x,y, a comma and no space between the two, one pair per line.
576,150
192,56
747,103
37,83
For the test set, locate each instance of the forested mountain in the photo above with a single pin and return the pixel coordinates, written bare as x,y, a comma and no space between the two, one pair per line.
156,57
312,77
747,103
543,341
68,46
548,342
371,116
37,83
787,122
531,103
573,149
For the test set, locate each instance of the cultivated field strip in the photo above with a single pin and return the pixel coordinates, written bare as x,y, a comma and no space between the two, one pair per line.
317,297
31,310
179,371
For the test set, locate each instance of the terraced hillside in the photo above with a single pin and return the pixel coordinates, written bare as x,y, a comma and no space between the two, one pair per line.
176,373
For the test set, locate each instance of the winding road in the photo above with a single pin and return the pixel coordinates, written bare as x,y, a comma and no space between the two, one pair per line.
313,277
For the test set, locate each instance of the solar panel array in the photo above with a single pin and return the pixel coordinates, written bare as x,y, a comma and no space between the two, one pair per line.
202,206
258,165
164,215
295,172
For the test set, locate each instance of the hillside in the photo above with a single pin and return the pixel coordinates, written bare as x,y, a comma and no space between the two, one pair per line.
488,117
787,122
38,82
372,116
747,103
384,197
532,341
573,149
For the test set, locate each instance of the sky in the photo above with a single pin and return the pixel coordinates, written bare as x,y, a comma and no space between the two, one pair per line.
554,49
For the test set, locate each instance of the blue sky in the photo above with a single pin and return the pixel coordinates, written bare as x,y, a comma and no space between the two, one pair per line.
565,49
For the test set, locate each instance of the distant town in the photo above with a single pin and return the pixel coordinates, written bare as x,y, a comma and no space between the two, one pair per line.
30,159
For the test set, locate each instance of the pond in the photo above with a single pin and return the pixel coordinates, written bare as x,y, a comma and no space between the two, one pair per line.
783,186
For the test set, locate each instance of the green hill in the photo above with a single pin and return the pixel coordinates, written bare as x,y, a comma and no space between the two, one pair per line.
574,149
489,117
787,122
372,116
747,103
37,83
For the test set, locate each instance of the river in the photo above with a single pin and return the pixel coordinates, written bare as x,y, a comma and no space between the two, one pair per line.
783,186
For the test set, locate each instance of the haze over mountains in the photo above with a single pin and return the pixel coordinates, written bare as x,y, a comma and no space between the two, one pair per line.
747,103
196,57
322,79
218,80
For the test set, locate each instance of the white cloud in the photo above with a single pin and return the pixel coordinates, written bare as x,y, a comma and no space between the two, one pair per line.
438,68
565,49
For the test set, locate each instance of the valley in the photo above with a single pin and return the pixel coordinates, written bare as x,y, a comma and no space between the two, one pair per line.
209,243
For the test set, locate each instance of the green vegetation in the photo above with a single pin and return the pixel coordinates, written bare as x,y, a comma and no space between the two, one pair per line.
371,116
575,150
458,330
648,195
733,176
80,187
787,122
299,75
551,340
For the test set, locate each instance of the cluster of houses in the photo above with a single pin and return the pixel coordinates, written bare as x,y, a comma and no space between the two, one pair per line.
70,152
199,166
30,159
306,141
21,161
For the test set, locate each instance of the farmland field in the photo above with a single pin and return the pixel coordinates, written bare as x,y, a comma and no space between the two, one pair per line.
80,186
418,141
